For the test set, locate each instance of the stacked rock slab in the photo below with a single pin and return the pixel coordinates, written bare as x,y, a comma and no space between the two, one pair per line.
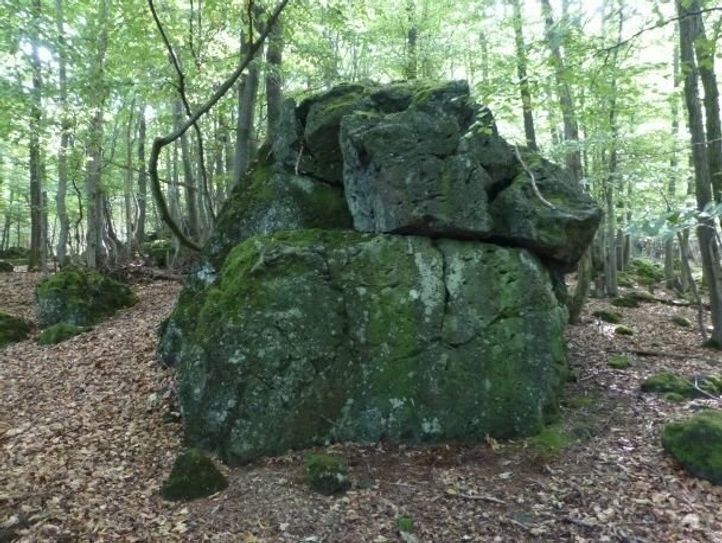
433,318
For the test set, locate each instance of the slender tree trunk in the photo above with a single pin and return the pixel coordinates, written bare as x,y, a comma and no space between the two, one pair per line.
411,68
706,233
37,246
188,178
669,252
93,189
521,63
247,92
142,180
128,200
573,155
65,126
274,79
564,92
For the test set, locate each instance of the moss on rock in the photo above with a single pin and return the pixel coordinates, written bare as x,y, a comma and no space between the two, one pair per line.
6,267
12,329
60,332
681,321
612,317
620,362
623,331
625,301
80,297
193,476
326,473
696,444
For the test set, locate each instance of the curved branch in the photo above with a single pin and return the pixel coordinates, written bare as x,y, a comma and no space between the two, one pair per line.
162,141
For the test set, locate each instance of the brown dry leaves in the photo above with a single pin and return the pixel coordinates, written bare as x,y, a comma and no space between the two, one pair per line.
84,448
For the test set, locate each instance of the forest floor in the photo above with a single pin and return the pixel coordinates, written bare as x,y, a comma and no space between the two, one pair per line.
89,430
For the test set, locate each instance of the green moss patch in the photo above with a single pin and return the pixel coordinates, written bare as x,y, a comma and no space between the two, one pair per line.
647,272
80,297
623,331
550,442
12,329
625,301
620,362
679,320
697,444
60,332
6,266
666,382
326,473
612,317
674,397
193,476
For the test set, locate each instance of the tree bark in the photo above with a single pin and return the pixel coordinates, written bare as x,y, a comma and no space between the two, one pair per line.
669,252
274,80
521,64
188,178
247,92
37,247
703,185
65,126
411,68
142,180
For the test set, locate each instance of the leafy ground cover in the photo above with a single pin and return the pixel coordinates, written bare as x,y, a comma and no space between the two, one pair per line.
89,431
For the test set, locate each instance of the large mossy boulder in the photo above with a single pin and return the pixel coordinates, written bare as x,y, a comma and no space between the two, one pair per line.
80,297
315,336
696,444
12,329
193,476
6,267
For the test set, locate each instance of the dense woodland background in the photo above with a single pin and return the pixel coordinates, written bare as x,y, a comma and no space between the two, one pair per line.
615,90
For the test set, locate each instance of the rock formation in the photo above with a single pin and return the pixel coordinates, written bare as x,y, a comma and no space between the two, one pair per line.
389,270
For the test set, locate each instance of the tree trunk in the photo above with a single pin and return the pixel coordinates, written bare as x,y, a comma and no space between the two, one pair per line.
411,66
188,178
703,184
37,247
65,126
93,190
247,91
128,200
521,63
142,180
669,252
274,81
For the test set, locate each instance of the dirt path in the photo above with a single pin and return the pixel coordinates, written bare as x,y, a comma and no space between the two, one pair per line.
89,435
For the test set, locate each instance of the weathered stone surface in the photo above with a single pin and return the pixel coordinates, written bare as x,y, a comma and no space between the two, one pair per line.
12,329
274,200
438,167
696,444
80,297
314,336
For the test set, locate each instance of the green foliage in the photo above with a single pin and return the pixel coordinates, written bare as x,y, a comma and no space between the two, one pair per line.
647,272
193,476
12,329
612,317
406,524
620,362
60,332
326,473
696,444
622,330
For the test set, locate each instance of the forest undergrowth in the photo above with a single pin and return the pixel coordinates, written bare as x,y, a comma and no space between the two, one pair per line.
89,429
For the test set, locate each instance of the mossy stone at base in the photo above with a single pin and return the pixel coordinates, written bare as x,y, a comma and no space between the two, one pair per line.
611,317
80,297
549,442
668,382
679,320
326,473
60,332
623,331
620,362
696,444
6,266
193,476
625,301
674,397
12,329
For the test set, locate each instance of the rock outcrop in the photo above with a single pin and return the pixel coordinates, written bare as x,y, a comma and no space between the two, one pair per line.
12,329
435,319
80,297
